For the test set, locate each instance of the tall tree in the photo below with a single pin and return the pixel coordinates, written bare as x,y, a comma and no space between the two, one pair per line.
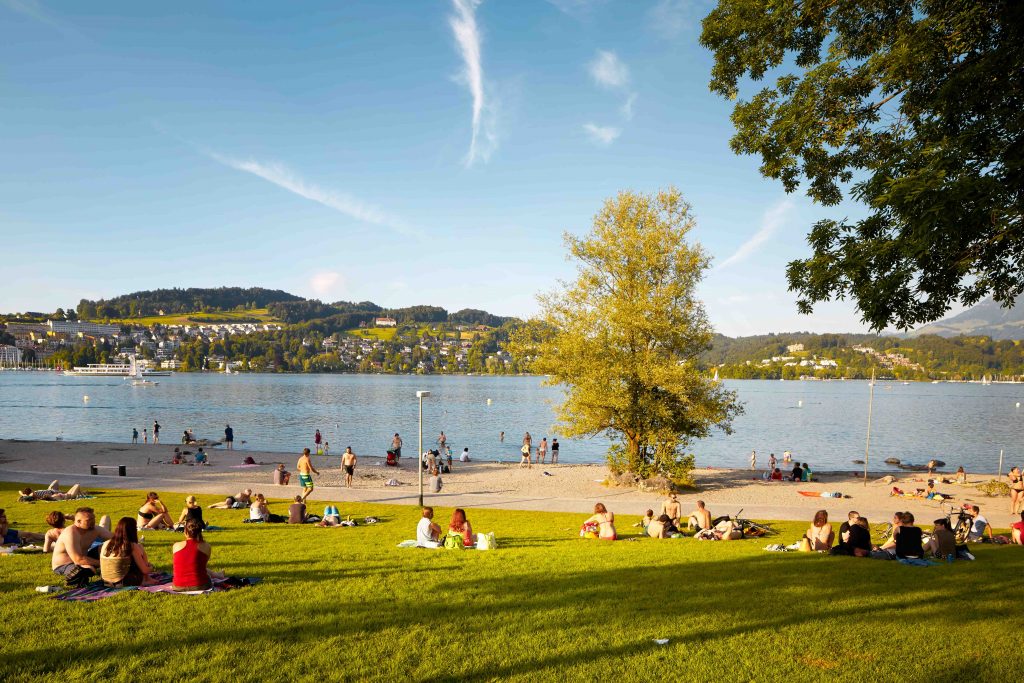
914,108
625,336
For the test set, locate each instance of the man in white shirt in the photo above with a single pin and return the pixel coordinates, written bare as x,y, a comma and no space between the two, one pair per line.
427,533
978,526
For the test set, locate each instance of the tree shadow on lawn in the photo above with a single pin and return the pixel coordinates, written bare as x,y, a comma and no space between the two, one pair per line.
614,612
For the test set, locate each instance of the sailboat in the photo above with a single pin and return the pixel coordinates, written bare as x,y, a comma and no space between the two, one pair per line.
135,375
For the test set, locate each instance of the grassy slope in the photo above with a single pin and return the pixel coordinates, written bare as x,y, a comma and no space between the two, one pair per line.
346,604
183,318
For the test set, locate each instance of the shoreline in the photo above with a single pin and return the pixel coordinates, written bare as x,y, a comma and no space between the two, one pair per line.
565,487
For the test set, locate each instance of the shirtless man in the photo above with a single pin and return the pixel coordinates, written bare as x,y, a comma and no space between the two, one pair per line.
74,547
306,472
348,463
672,508
700,518
396,446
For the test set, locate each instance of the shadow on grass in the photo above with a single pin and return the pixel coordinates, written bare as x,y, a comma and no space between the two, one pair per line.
607,616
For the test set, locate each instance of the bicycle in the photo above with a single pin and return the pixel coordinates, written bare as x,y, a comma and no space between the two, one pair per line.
961,528
883,531
747,527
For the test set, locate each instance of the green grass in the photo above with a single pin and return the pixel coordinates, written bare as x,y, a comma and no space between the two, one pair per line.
347,604
379,333
261,314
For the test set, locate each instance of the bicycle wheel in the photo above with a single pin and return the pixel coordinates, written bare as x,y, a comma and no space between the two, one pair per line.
961,531
883,531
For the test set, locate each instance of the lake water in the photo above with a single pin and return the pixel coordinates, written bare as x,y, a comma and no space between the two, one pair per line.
823,423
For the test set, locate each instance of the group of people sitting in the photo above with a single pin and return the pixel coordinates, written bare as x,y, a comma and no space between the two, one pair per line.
908,542
85,549
154,514
669,524
799,473
459,534
180,457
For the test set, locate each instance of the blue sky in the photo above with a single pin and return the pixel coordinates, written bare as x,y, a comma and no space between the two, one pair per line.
427,152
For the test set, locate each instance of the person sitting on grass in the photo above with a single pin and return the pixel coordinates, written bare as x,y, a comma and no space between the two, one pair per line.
671,507
123,560
460,525
9,535
56,521
75,555
979,525
192,510
50,494
854,537
887,551
190,558
820,533
646,520
605,521
297,511
153,514
700,518
258,510
942,543
662,527
1017,531
907,538
427,532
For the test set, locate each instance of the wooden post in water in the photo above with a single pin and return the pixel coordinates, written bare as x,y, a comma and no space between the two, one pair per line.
867,444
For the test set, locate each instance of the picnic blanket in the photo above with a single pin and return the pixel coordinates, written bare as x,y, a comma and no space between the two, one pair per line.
97,590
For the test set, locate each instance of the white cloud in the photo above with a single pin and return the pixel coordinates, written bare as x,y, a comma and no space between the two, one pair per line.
602,135
327,284
671,18
608,71
773,219
627,107
467,37
348,205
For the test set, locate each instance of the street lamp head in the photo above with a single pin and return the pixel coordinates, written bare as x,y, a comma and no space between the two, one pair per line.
422,394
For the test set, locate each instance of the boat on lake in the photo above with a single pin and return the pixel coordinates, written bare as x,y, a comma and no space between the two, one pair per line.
112,370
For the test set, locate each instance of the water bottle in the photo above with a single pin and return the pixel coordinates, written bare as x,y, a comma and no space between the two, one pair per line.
949,558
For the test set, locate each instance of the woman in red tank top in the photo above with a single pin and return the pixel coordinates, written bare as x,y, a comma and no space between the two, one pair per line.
190,559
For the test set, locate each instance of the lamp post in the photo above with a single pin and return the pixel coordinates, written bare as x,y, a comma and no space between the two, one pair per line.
419,454
867,443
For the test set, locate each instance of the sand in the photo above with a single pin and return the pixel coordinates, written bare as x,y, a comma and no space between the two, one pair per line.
562,487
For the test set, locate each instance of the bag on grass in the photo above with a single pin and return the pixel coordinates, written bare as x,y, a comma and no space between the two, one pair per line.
805,545
486,541
453,541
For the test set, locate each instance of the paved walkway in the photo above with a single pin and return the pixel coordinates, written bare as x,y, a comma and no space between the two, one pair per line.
408,495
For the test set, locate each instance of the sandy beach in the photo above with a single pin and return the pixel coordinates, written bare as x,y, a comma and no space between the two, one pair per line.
564,488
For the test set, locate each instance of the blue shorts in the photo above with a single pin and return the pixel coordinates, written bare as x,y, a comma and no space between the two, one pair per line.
306,480
12,536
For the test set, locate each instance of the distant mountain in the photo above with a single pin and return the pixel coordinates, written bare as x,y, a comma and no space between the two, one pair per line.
986,318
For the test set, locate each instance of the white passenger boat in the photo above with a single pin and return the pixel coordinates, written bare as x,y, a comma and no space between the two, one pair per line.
112,370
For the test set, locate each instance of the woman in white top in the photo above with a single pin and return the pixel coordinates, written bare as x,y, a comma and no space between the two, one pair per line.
605,521
259,510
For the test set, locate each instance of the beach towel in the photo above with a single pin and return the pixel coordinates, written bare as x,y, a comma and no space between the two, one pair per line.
821,494
97,590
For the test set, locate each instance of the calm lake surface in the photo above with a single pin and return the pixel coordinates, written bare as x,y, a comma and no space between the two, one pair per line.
823,423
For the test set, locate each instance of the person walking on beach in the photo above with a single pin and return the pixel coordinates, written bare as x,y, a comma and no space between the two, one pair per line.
156,432
317,440
135,435
542,450
229,437
772,463
348,463
306,472
554,451
753,460
145,435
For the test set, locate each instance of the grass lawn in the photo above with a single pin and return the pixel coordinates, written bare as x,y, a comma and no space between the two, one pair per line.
346,604
261,314
378,333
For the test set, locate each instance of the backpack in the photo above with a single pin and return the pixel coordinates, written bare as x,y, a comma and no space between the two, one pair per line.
453,541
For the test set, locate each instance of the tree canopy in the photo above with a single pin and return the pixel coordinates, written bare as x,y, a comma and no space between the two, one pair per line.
625,337
912,107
